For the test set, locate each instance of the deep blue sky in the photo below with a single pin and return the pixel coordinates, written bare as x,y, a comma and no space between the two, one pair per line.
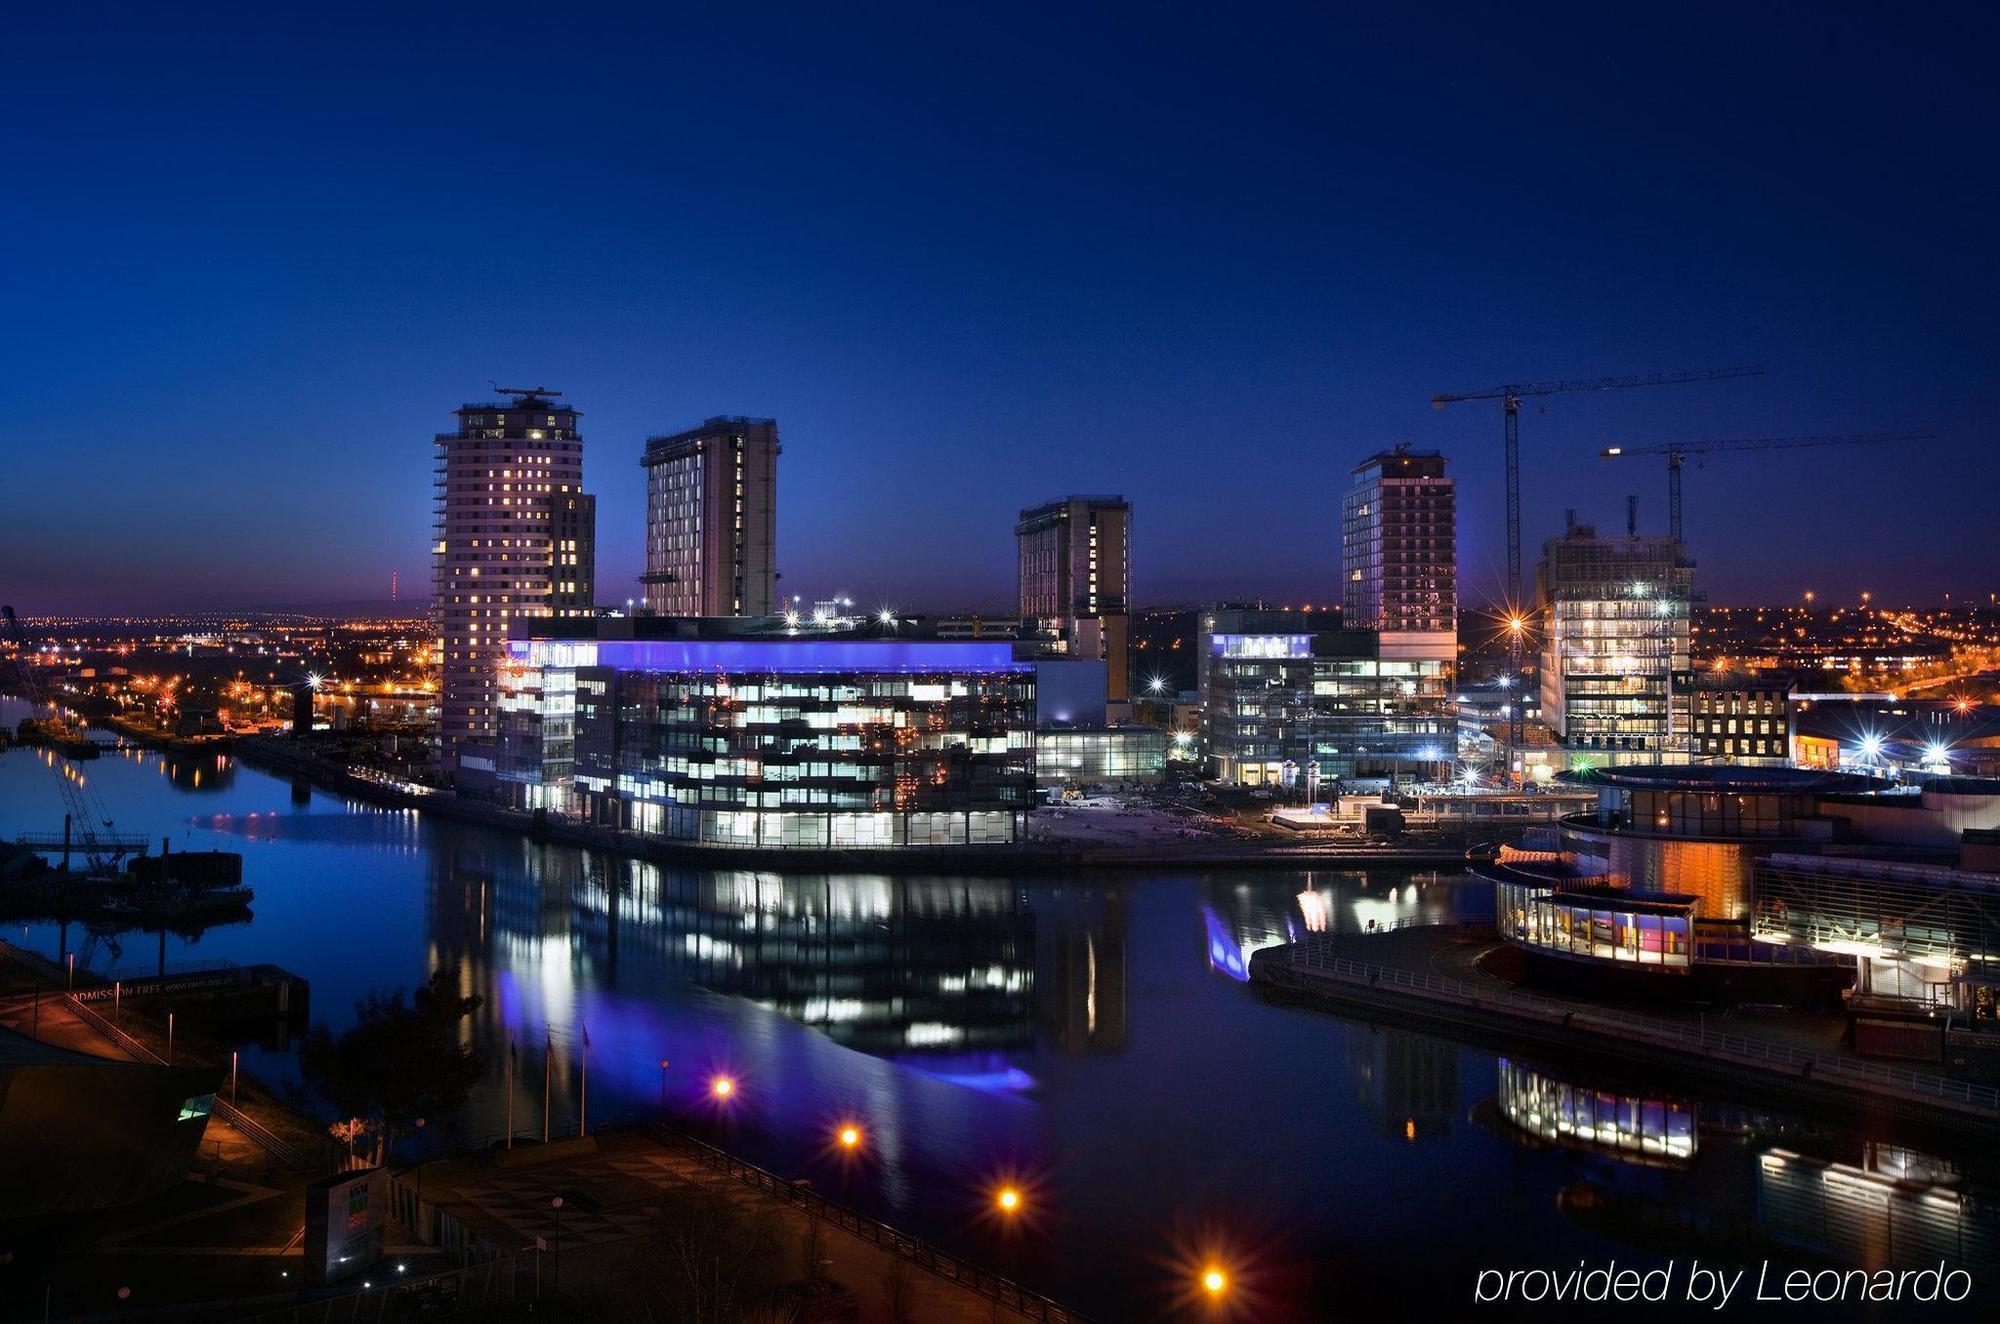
973,257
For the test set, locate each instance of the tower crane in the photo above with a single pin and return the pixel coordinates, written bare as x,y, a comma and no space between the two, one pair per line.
1676,454
1510,398
83,805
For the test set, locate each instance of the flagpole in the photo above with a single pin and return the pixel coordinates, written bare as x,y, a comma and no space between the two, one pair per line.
548,1060
510,1091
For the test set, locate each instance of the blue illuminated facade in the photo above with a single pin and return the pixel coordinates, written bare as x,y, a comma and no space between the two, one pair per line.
769,738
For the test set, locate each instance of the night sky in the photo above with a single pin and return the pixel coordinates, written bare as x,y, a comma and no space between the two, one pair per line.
972,257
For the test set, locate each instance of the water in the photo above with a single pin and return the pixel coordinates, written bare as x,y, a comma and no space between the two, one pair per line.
1088,1038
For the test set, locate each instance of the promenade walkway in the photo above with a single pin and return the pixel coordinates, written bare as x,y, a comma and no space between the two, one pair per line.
1401,973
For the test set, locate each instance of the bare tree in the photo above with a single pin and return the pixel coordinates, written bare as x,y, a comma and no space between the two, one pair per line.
899,1285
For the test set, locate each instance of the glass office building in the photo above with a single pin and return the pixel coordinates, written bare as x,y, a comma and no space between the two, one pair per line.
1274,689
771,738
1074,756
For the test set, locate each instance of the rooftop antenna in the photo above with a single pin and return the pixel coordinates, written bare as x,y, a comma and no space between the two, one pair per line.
523,393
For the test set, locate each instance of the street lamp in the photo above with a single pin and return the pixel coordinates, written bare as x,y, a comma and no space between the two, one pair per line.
663,1091
555,1205
850,1136
722,1087
1009,1200
421,1123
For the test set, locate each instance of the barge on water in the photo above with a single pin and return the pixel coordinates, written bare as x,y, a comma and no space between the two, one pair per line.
152,889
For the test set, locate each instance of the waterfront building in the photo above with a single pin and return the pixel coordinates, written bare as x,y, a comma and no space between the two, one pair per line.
1281,693
711,519
513,539
1615,631
1738,716
1075,560
763,733
1766,881
1082,756
1924,932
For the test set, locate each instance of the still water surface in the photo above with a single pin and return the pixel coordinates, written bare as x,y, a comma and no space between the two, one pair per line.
1091,1038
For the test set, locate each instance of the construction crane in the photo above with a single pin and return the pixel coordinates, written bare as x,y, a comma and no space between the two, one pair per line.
1510,398
84,807
1676,454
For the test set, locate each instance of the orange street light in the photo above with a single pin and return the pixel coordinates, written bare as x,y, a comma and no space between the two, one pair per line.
1214,1281
850,1136
1008,1199
722,1087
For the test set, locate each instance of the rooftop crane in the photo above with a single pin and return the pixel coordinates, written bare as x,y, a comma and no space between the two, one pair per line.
1510,398
1676,454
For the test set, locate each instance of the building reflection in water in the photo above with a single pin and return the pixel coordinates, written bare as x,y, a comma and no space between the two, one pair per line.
1407,1084
208,772
1716,1173
887,965
1645,1130
1894,1208
1245,913
1080,971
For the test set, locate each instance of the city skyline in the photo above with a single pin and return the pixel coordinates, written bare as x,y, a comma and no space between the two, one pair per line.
955,316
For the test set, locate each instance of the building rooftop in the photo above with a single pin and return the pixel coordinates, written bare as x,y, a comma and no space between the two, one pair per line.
541,398
1627,898
1086,498
1716,777
1735,679
706,428
1400,452
800,626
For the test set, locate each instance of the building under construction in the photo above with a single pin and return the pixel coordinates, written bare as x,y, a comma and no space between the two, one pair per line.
1615,629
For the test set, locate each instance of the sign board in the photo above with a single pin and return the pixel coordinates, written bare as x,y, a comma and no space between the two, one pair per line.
344,1218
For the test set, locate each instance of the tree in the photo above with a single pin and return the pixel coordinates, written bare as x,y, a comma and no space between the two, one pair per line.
401,1060
707,1258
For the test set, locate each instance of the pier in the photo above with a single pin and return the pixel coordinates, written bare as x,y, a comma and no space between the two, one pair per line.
1404,985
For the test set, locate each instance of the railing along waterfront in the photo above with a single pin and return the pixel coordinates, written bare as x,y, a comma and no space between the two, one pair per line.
994,1287
1315,955
262,1136
253,1130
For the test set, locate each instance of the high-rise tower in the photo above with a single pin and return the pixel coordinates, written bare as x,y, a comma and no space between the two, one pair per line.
1399,544
513,535
711,519
1076,565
